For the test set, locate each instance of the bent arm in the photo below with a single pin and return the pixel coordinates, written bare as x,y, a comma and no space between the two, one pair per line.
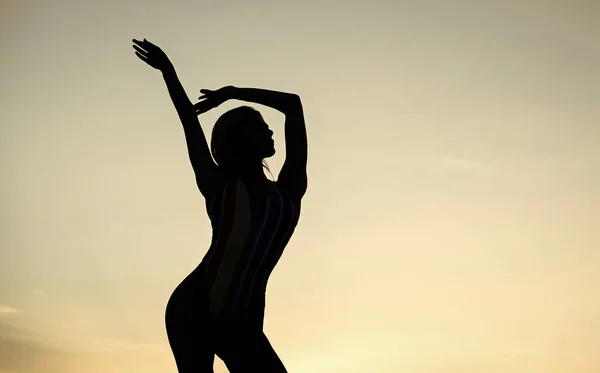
287,103
293,174
205,169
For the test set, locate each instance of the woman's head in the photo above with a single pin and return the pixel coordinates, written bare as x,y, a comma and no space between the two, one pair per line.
241,137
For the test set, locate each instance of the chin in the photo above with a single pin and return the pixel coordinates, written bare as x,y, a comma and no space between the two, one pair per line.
269,152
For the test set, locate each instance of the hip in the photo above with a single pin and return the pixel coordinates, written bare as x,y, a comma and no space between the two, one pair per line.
191,301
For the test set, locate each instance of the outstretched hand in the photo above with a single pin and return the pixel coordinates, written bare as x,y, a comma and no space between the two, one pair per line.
152,55
212,99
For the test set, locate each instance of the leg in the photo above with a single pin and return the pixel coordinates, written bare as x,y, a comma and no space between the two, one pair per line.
192,354
189,333
250,353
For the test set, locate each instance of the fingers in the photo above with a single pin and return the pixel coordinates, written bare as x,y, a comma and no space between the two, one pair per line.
140,50
204,106
138,42
205,94
144,43
149,43
142,57
201,109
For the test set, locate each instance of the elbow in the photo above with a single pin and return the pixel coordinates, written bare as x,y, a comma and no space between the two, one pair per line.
294,102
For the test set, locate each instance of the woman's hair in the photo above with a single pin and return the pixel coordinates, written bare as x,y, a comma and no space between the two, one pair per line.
222,142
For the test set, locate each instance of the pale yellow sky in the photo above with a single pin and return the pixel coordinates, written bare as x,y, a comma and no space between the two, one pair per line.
454,181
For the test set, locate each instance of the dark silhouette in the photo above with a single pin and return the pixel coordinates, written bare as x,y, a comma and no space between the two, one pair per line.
219,307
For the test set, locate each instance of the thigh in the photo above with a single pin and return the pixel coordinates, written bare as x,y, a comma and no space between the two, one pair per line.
249,352
192,355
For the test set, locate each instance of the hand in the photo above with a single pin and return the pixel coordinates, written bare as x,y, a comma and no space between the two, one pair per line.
212,99
152,55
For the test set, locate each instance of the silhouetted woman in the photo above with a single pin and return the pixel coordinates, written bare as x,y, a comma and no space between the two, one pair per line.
219,307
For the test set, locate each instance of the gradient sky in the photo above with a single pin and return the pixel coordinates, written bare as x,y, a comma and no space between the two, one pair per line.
451,222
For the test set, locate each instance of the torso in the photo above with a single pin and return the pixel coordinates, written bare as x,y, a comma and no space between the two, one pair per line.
252,223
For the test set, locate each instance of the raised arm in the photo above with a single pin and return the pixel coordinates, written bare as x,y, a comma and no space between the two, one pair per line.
205,169
293,175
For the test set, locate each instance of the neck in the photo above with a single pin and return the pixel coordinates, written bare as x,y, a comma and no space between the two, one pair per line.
249,171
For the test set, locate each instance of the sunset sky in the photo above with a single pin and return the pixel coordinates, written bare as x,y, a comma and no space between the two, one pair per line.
451,223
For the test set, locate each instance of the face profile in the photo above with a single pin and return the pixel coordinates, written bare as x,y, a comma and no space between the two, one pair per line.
260,138
241,135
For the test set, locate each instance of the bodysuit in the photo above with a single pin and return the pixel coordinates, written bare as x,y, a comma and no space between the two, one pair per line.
252,223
